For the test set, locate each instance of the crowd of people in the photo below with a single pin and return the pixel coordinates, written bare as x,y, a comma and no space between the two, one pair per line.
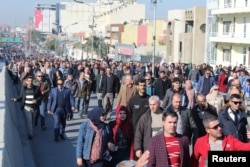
160,116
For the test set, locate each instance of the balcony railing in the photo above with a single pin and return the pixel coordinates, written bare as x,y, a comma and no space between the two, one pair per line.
230,37
213,4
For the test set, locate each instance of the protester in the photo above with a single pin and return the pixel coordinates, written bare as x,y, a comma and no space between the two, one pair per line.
93,139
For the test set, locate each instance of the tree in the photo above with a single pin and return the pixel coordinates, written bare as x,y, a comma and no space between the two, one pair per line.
51,43
99,46
36,37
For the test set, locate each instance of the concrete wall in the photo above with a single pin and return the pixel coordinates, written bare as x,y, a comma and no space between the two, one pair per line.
15,149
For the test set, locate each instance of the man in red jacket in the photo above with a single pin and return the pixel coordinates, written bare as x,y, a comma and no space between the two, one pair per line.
214,140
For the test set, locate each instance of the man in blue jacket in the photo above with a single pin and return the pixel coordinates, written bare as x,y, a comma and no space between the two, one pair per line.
205,83
60,103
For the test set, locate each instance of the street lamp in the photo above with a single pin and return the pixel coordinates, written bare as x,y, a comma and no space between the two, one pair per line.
93,24
66,37
154,38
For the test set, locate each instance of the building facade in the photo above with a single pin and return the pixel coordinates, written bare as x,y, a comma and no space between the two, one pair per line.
186,35
228,40
95,18
45,18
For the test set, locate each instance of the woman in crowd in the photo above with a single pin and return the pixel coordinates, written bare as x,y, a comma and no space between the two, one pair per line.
214,98
122,136
93,140
190,94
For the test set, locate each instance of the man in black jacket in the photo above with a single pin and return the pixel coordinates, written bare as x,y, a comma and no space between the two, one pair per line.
186,125
233,120
29,96
162,84
110,90
199,111
138,104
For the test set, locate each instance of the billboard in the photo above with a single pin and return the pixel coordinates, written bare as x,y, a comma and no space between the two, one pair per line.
44,20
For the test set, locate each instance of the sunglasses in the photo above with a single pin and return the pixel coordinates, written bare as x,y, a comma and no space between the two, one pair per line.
59,83
147,79
215,127
39,76
237,102
216,89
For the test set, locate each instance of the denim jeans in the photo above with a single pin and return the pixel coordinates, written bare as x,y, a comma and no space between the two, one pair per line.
29,115
194,84
99,99
80,102
41,112
59,122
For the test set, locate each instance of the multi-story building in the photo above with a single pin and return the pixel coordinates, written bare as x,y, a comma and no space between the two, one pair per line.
93,18
186,35
45,18
227,38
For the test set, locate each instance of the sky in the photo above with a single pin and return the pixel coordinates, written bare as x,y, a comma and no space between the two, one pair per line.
17,12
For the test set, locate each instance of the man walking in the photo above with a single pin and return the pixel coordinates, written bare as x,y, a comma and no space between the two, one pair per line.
138,104
110,89
44,88
29,96
60,103
169,148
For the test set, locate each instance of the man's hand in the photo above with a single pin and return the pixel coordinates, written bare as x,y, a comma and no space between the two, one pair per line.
34,101
248,134
79,162
138,153
73,109
14,99
143,160
50,113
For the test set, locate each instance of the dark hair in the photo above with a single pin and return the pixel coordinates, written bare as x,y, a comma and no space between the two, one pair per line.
142,80
236,96
59,79
169,113
102,69
29,77
162,71
207,119
108,67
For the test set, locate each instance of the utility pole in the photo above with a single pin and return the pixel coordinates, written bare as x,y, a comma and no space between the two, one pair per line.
154,38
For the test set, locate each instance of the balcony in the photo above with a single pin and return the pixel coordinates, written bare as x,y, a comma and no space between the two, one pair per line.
230,8
228,37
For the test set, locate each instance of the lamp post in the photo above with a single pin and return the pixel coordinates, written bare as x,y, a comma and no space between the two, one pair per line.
100,42
93,24
154,38
66,36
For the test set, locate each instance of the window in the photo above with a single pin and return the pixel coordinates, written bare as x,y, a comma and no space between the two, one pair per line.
203,28
170,48
245,26
226,27
227,3
180,47
244,52
226,55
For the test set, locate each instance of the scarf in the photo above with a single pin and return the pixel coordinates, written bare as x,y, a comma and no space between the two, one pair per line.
97,144
125,126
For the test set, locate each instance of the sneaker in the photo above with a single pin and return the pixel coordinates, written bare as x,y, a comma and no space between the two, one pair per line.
44,128
30,137
62,137
56,139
